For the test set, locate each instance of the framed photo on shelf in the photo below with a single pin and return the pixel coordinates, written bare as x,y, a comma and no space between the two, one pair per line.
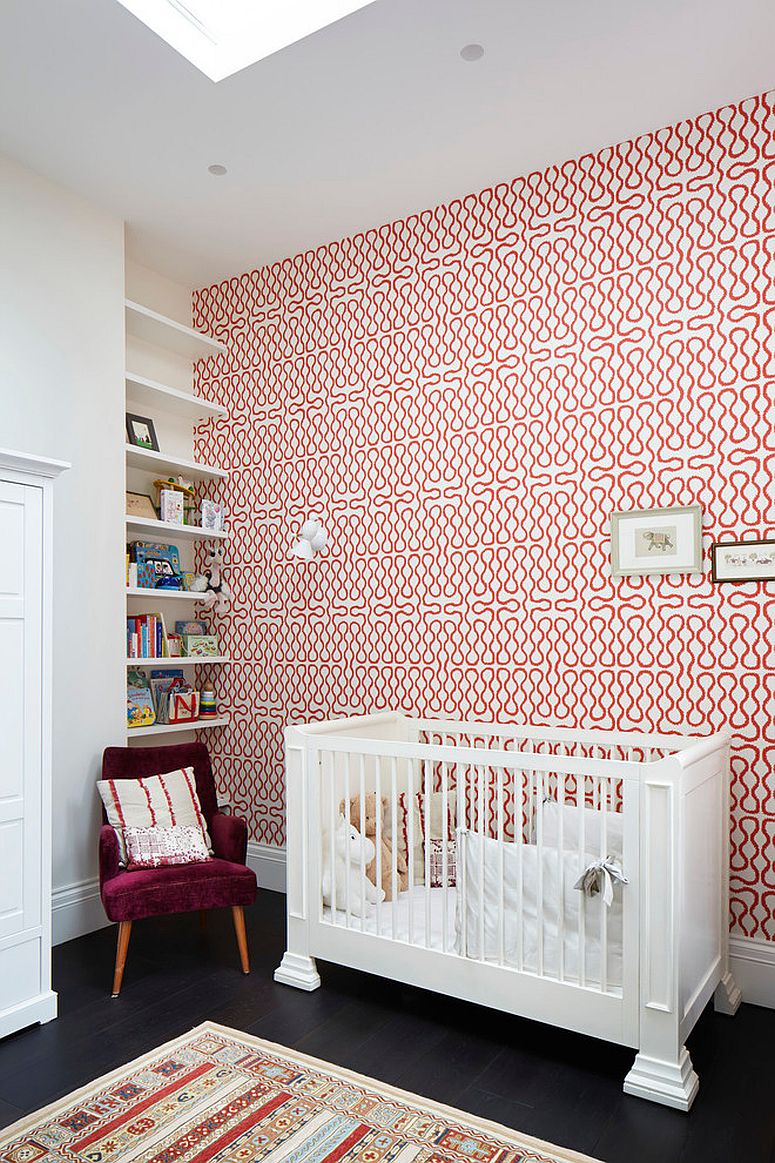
140,505
647,541
742,561
141,432
212,516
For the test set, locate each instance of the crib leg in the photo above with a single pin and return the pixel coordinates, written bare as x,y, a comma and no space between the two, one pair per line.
298,970
727,998
672,1084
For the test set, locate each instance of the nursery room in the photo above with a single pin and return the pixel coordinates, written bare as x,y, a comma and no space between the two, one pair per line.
387,625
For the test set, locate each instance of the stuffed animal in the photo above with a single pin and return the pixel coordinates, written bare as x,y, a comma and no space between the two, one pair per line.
370,831
347,870
217,591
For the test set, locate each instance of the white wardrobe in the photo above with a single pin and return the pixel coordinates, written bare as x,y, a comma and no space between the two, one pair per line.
26,487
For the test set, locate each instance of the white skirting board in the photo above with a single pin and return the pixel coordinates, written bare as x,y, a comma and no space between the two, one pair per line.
752,963
76,909
268,863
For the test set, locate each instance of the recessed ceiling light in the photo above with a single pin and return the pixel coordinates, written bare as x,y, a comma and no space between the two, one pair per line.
217,170
220,37
472,52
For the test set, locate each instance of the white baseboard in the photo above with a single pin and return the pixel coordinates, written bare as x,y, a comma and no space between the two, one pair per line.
76,909
268,863
752,962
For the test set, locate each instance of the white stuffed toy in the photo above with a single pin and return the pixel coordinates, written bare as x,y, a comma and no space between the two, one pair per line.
350,855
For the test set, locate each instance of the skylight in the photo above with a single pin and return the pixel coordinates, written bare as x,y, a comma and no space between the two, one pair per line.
220,37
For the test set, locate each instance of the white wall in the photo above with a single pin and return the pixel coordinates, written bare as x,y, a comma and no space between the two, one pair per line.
62,395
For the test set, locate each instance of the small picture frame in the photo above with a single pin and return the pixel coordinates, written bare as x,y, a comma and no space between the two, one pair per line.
141,432
140,505
647,541
742,561
212,516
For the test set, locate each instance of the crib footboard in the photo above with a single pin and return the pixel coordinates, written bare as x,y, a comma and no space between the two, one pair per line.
684,915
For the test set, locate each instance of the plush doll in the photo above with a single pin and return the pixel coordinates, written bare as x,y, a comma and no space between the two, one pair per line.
347,870
370,831
217,591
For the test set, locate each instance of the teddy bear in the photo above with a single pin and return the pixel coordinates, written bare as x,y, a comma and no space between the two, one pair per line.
350,848
370,831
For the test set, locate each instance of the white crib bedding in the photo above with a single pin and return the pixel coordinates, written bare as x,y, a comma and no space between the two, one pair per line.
465,926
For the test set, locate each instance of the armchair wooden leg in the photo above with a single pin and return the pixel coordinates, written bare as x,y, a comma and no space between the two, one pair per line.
124,933
203,920
238,915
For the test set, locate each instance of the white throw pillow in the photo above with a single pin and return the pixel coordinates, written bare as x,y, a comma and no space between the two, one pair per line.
156,801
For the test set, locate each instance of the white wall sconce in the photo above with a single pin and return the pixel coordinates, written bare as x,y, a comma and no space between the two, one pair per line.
312,539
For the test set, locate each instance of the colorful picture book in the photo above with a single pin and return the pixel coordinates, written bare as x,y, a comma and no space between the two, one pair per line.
140,711
158,566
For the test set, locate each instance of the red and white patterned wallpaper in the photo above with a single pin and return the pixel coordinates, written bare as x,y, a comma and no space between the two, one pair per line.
463,397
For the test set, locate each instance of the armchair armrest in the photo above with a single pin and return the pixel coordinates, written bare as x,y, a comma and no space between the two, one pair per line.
109,854
229,835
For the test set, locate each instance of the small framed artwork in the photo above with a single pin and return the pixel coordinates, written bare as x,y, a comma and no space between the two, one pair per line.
656,541
141,432
140,505
742,561
212,516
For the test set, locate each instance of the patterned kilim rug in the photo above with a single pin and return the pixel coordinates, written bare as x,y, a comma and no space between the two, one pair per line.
221,1096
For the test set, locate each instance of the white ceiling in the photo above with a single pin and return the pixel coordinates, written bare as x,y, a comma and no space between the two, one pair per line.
363,122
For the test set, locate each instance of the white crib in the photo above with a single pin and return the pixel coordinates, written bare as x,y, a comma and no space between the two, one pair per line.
522,812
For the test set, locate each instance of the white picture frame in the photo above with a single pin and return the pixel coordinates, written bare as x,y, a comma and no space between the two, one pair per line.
213,516
661,541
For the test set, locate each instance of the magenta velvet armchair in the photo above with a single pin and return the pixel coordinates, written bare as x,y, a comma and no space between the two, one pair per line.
223,882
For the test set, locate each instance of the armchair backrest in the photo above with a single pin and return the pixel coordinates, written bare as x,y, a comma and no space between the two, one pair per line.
137,762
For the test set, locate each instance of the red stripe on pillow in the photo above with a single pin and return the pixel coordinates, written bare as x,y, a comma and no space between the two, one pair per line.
117,802
194,799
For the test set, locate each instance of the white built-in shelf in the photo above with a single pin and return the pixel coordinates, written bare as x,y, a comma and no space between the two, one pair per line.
171,728
153,594
174,663
143,392
162,464
161,331
143,525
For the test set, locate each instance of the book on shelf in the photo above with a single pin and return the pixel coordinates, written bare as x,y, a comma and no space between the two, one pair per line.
146,636
140,711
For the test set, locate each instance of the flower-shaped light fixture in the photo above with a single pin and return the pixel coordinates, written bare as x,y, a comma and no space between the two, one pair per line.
312,539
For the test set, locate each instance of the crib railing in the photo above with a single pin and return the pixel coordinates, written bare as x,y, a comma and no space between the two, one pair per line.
492,845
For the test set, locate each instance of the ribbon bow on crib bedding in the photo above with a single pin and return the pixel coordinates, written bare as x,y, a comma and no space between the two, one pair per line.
601,874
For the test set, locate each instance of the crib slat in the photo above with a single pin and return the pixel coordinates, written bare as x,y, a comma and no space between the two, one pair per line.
501,870
348,842
427,850
479,775
581,803
410,801
378,874
540,871
332,801
561,870
605,785
362,830
444,853
394,845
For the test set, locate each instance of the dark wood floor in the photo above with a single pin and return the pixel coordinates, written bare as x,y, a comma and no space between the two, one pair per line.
559,1086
